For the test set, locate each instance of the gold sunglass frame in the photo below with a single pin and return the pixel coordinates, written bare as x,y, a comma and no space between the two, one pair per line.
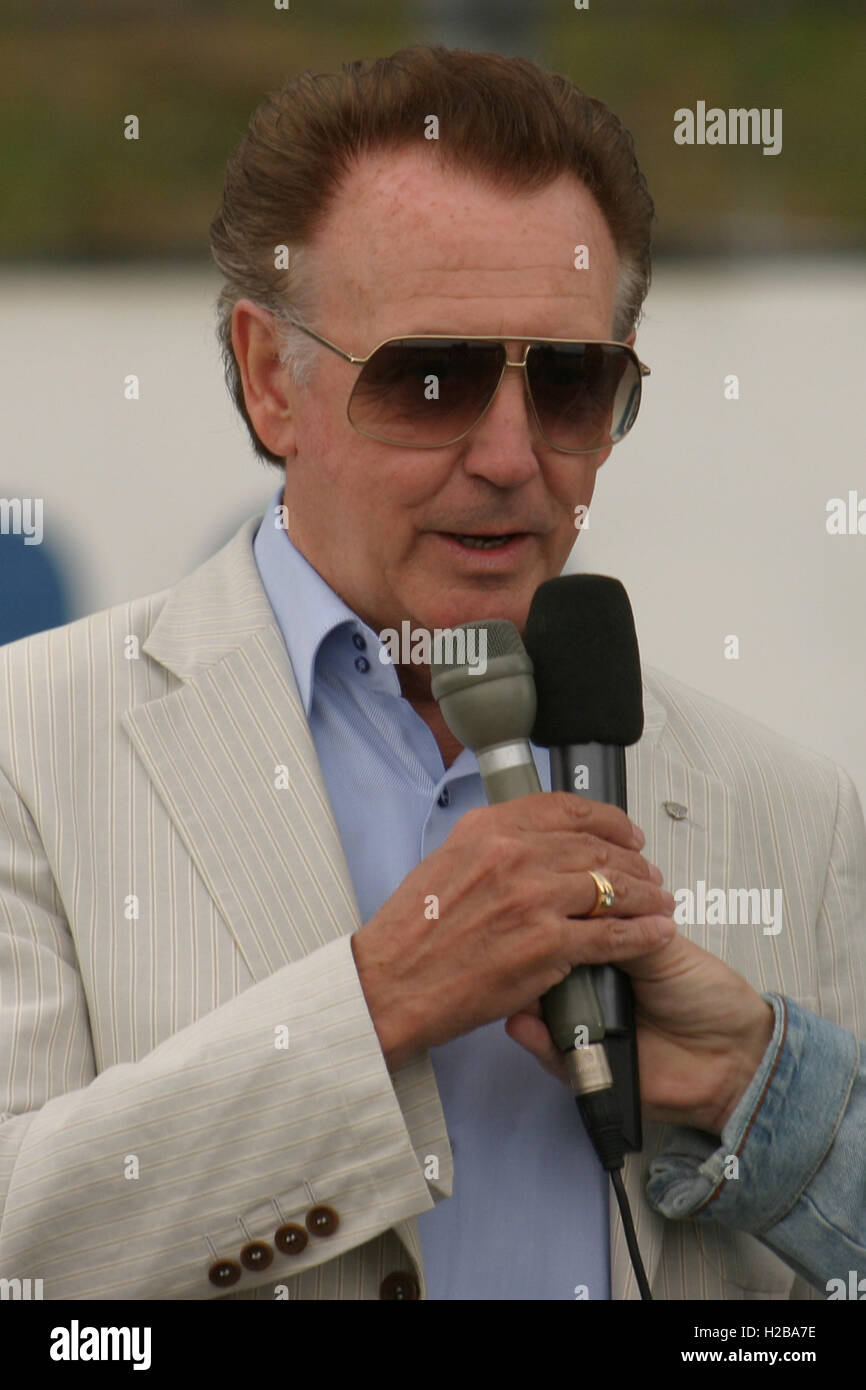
643,371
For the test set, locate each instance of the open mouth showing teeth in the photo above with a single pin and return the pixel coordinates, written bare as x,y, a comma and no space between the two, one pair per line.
484,542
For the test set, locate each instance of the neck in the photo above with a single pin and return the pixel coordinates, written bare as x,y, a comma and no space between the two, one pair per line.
415,685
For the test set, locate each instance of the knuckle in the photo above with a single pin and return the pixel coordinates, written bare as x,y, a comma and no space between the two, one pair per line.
601,852
619,933
494,853
593,849
535,892
546,942
473,822
634,934
523,896
622,888
503,861
646,932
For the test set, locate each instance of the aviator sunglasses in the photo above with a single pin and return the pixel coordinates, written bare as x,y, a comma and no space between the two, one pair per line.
430,390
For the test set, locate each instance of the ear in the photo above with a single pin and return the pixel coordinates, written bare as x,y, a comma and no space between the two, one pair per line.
266,382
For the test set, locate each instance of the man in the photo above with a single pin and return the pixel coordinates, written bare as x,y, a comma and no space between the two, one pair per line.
220,1085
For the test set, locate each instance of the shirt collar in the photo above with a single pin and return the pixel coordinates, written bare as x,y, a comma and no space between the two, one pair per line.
308,610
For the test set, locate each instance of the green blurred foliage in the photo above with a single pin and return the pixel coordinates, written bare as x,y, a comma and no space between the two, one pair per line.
812,66
71,186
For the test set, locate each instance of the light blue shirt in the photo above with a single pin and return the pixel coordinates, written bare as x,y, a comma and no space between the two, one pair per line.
528,1218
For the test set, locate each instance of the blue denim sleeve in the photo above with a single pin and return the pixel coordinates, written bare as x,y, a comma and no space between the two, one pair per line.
799,1139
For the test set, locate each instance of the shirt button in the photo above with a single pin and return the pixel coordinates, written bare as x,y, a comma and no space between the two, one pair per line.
400,1285
359,641
322,1221
444,798
362,664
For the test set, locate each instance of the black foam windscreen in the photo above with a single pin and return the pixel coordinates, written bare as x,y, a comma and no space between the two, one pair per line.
581,638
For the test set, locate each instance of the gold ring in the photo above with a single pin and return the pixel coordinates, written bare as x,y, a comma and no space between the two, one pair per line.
605,896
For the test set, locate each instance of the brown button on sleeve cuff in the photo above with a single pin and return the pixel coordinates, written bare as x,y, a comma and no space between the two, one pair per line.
322,1221
224,1273
291,1239
400,1285
256,1255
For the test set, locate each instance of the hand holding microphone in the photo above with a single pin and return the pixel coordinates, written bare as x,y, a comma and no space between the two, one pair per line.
514,898
701,1028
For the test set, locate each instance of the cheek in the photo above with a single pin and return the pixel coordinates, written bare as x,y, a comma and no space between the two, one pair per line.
399,483
327,439
572,488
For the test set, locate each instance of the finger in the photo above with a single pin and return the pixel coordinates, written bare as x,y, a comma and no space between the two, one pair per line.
603,940
569,853
577,895
532,1035
563,811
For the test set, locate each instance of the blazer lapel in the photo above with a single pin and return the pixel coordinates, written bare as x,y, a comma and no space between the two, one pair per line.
231,754
691,831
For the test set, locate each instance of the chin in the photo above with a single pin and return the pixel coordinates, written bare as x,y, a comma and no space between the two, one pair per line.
513,607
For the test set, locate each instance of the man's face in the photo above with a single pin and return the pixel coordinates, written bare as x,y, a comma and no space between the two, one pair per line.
408,250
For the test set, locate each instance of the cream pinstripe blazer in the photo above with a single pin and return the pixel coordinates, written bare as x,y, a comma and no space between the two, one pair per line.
168,903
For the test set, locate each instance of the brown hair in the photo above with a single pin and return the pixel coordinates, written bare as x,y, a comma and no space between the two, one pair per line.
503,120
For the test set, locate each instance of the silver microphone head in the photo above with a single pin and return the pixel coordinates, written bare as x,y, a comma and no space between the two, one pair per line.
483,683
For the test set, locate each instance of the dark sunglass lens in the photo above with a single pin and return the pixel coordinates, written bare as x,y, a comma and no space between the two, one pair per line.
421,393
586,394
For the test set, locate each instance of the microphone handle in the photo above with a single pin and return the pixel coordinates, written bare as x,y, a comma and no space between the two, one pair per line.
508,771
597,770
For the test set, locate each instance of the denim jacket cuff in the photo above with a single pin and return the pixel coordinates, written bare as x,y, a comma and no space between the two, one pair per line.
774,1141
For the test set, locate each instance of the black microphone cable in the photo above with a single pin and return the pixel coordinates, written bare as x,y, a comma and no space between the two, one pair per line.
592,1083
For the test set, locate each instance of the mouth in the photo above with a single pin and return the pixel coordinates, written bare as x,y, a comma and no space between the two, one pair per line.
484,542
487,549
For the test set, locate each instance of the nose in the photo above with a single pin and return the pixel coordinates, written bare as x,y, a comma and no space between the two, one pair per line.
501,447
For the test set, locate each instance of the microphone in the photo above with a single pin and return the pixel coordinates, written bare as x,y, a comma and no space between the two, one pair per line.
581,638
492,712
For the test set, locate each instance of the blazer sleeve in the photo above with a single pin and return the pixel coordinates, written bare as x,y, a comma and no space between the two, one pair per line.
129,1183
